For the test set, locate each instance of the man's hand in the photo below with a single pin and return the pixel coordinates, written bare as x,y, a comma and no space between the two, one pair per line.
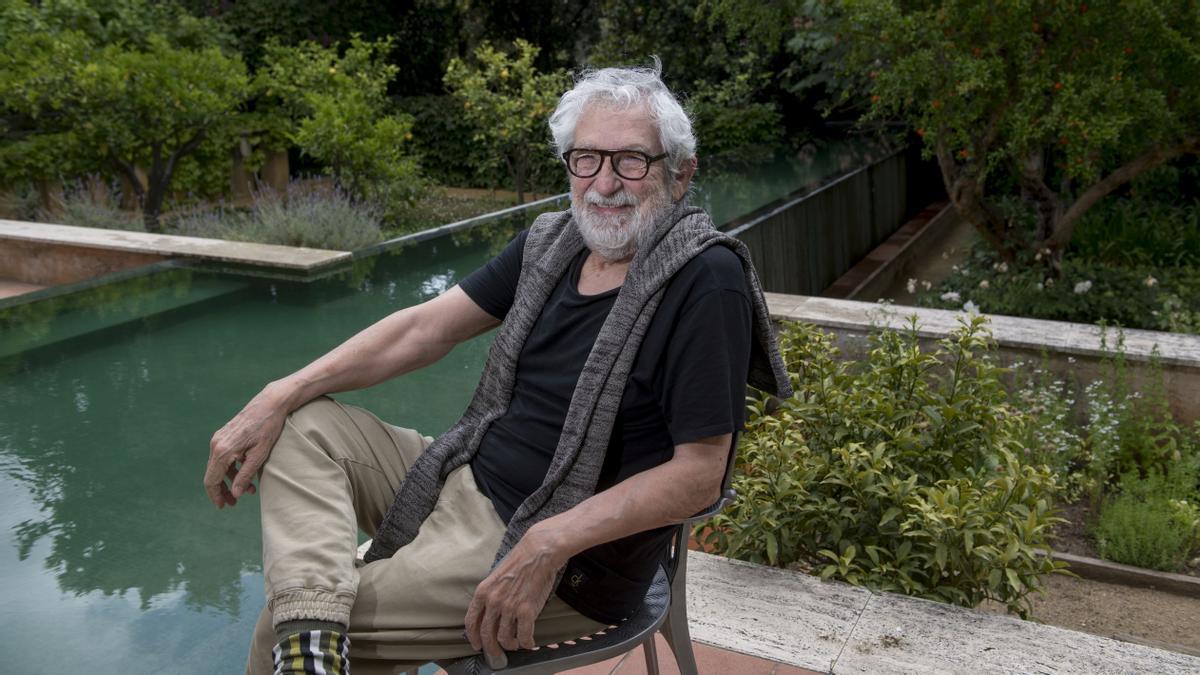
239,449
507,603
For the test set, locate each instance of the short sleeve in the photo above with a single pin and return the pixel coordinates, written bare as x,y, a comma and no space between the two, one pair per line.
494,286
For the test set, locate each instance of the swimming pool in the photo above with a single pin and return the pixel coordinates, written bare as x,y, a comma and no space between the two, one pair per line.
113,558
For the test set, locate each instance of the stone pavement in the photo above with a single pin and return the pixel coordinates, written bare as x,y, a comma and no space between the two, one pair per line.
798,620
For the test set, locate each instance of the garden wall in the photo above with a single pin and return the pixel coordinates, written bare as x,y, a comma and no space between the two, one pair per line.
1071,350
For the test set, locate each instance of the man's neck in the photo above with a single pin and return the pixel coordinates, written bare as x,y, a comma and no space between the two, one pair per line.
600,274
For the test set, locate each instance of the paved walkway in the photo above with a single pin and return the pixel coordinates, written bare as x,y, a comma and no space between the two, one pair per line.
797,620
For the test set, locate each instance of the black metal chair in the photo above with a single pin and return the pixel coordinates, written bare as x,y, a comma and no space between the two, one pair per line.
664,608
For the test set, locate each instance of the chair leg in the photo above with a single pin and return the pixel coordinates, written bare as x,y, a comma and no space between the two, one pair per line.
651,651
679,638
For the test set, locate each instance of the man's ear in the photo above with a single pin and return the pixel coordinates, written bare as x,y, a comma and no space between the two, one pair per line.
682,179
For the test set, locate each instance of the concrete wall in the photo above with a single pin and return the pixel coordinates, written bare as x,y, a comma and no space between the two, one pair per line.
1071,350
49,265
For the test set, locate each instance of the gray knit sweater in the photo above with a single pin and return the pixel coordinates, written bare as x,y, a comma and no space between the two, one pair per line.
552,243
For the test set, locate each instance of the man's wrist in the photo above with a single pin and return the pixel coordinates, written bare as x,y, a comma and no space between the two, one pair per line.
548,540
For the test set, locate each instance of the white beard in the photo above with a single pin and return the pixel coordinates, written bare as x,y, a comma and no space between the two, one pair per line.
618,237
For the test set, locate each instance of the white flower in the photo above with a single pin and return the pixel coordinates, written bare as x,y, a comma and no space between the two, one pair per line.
1150,282
1039,286
1083,287
1001,267
911,286
984,284
970,307
927,285
1049,283
950,296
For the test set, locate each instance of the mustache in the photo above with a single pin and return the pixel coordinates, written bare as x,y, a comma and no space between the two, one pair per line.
621,198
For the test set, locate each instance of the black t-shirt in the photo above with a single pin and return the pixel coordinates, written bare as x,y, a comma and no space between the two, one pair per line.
687,383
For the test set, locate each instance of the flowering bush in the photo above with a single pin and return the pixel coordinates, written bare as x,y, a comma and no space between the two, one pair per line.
1135,262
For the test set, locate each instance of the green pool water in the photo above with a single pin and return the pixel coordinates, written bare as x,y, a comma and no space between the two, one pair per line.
112,560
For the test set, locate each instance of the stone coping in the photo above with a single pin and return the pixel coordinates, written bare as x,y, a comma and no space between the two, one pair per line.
1174,349
832,627
244,253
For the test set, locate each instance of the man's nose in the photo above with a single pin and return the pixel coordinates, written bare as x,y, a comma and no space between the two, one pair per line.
607,182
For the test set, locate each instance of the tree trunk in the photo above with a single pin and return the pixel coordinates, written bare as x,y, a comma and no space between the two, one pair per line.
50,196
240,184
275,171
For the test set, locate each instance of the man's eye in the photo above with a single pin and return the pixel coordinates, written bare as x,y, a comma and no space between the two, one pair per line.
632,162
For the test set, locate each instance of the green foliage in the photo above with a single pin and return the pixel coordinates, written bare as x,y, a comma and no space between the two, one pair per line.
332,104
1052,104
903,473
1051,438
1154,521
1134,297
444,141
1134,262
92,205
509,103
726,116
312,217
114,88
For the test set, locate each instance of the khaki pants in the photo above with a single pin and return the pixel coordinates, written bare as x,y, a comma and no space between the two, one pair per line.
335,469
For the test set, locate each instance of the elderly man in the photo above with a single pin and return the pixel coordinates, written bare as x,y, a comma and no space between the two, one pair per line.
604,415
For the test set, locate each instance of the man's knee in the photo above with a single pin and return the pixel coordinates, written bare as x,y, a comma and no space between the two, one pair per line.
317,414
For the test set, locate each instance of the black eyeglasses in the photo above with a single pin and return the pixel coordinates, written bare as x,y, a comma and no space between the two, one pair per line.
628,164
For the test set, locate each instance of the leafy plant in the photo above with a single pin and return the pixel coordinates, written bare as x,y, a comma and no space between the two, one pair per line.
312,216
904,473
118,88
1052,105
1153,522
332,104
91,205
727,116
509,101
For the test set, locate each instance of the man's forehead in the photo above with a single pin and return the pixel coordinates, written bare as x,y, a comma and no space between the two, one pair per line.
607,127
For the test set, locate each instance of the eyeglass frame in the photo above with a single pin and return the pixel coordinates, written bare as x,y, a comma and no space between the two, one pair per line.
610,154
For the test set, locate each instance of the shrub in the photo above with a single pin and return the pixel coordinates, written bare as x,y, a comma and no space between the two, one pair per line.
903,473
316,217
87,208
1153,298
1153,522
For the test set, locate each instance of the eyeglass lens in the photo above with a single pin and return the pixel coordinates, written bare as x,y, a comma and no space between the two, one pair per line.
629,164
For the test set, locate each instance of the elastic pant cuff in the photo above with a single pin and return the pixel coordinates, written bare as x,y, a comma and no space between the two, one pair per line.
316,605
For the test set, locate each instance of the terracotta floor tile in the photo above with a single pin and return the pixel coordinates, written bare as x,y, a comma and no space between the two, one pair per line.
602,668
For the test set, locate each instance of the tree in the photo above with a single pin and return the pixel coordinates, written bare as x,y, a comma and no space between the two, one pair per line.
332,105
509,102
105,86
1035,110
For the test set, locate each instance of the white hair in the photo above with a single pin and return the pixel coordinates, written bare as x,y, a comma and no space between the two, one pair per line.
625,88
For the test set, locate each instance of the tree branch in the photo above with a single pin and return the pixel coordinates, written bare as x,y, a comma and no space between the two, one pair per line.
1132,169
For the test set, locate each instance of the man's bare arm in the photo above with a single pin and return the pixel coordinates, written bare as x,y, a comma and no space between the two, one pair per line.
404,341
507,603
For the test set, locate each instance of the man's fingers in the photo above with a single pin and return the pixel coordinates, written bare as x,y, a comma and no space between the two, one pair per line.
525,625
472,622
506,632
246,472
214,478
